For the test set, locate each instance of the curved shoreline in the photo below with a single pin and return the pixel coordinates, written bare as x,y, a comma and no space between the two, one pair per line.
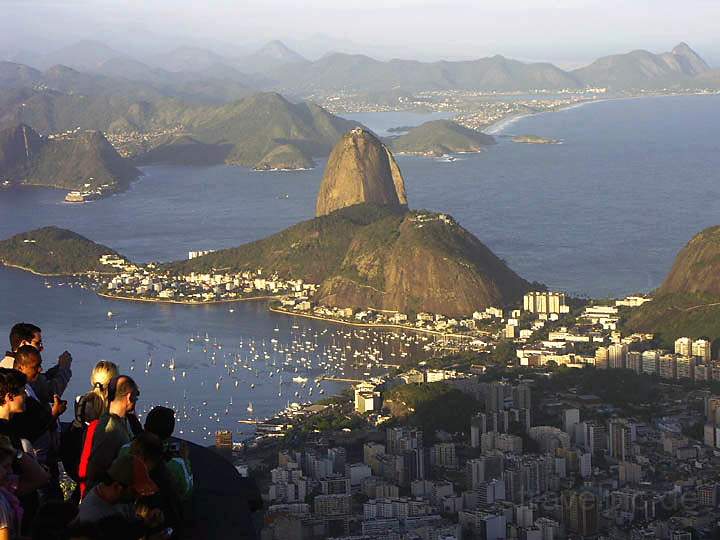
501,125
367,325
184,302
31,271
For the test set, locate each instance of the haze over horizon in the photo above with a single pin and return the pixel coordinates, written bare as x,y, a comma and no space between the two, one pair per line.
409,29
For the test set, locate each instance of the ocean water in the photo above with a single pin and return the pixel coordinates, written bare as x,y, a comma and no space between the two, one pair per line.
602,214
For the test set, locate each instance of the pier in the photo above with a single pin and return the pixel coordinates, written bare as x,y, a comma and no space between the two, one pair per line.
338,379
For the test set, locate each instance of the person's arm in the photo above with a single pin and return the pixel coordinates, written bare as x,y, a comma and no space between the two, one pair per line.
55,379
32,475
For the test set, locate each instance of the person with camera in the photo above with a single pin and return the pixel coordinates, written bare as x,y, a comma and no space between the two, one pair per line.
172,472
54,380
37,426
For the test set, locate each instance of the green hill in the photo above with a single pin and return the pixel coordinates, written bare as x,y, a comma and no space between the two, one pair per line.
688,301
243,132
440,137
54,251
182,150
283,157
258,124
83,161
382,257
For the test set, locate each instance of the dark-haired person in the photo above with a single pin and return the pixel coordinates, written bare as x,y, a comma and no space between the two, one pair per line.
39,418
22,334
56,379
38,424
10,507
167,464
125,480
111,432
161,422
12,401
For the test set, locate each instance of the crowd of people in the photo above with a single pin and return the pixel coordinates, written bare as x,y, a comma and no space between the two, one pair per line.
104,475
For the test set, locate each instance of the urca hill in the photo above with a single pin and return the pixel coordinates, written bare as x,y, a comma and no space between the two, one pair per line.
366,249
688,301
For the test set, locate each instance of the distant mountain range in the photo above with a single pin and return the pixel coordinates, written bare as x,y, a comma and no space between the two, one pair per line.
210,108
202,75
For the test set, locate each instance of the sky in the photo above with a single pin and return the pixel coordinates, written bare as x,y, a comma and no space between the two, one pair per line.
566,32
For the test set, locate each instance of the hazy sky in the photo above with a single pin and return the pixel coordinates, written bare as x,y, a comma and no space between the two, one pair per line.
567,32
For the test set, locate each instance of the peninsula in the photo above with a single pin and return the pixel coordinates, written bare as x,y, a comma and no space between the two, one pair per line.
80,161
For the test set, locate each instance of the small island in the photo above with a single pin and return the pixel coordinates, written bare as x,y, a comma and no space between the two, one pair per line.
52,251
440,137
399,129
534,139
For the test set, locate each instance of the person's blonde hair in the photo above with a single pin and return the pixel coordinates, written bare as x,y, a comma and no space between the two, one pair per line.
100,377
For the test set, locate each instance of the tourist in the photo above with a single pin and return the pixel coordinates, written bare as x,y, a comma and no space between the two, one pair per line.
56,379
11,512
38,422
171,479
12,402
147,447
111,432
31,475
38,425
88,407
161,422
114,495
93,404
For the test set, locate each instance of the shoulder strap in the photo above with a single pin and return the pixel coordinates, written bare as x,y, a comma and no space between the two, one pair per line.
85,456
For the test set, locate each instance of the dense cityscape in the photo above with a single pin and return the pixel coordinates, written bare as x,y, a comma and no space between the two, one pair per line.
533,452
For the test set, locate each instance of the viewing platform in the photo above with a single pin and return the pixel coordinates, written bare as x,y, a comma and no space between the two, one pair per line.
224,504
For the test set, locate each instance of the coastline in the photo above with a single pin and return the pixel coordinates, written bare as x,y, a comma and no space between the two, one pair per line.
266,298
366,325
31,271
498,127
184,302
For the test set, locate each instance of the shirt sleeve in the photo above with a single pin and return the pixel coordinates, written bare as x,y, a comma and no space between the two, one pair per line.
54,381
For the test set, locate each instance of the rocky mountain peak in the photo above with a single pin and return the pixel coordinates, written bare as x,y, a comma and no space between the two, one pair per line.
360,169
